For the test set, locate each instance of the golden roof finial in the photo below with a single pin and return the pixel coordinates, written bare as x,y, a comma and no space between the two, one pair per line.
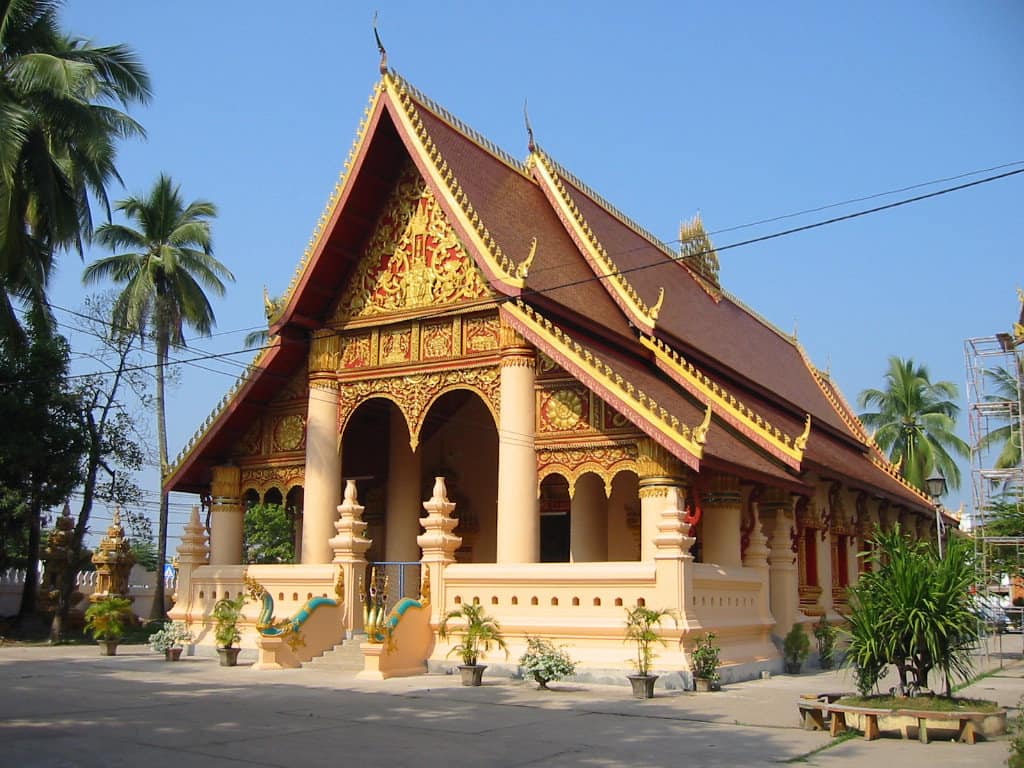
700,432
801,442
656,309
380,47
530,144
524,269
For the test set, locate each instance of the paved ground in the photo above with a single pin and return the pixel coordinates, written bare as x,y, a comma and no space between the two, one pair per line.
64,707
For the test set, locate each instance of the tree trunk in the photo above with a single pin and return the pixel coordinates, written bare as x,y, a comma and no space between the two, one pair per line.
157,611
30,591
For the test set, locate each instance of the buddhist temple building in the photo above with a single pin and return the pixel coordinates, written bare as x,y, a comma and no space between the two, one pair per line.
612,426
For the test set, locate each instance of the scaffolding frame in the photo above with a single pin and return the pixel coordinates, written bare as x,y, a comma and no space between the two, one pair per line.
988,409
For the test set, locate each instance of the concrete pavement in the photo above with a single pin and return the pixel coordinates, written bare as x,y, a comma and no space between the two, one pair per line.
68,707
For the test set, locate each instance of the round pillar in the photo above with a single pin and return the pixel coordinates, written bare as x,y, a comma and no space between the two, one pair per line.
588,521
518,512
403,512
226,517
322,492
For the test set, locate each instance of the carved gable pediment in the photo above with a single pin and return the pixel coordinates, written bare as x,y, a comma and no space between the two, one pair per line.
413,260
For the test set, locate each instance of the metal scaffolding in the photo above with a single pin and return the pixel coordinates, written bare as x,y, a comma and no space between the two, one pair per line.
992,405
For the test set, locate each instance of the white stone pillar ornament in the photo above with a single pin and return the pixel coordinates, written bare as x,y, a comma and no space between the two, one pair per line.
193,552
349,546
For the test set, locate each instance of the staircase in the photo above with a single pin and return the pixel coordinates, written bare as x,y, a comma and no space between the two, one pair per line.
344,657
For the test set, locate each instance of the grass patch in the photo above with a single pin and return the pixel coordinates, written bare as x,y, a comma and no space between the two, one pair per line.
923,703
844,736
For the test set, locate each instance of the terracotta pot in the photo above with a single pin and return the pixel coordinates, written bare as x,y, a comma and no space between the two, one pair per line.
172,654
702,684
228,656
472,674
643,685
108,647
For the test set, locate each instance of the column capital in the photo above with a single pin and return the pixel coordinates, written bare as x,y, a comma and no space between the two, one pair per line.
226,484
721,490
658,468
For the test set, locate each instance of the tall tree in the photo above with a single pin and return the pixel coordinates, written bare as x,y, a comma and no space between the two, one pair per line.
42,442
915,422
59,127
167,261
108,425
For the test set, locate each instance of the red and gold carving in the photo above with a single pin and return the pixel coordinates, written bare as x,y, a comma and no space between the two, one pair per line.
356,351
413,260
564,410
573,463
437,341
396,346
297,388
263,479
547,367
251,443
481,334
414,393
612,419
289,433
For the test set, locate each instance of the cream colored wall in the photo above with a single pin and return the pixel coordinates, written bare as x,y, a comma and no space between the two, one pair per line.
623,541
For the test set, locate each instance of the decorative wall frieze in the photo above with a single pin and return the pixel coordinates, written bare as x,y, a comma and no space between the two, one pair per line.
572,462
414,393
263,478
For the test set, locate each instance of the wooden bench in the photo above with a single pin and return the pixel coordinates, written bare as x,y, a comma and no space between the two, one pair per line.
968,723
814,710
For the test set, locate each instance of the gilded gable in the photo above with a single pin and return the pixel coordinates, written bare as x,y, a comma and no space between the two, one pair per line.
413,260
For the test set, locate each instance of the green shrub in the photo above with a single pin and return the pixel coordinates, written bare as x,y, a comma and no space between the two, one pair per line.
704,657
825,637
107,619
796,645
545,662
640,629
226,613
479,635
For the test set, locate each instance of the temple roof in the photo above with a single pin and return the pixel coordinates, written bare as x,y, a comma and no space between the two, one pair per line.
689,365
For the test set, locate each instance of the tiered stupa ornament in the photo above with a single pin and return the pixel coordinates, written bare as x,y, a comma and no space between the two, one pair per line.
349,546
57,558
113,561
438,544
193,551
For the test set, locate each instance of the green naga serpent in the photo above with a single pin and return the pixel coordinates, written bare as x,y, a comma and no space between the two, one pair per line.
377,622
289,629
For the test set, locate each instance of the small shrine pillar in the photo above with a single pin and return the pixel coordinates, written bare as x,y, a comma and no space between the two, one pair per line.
113,560
662,483
193,552
323,468
403,494
58,558
349,546
778,517
518,506
722,503
226,516
438,544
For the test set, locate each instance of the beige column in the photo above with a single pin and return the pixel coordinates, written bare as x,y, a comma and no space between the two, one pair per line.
663,481
349,546
226,516
588,521
403,513
323,471
779,520
721,521
518,511
823,544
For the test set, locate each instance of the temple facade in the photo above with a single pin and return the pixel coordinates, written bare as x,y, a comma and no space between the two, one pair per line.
611,426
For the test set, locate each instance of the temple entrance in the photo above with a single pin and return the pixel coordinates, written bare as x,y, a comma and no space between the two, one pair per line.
555,514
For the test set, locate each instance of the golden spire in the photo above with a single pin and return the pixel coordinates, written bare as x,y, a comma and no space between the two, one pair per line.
531,144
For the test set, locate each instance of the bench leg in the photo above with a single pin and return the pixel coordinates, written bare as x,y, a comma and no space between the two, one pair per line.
838,723
968,733
813,720
870,727
922,730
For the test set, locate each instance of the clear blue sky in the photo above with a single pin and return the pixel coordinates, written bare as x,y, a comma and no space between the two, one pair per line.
743,111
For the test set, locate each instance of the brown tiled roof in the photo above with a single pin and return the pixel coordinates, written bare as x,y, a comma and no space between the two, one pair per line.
511,205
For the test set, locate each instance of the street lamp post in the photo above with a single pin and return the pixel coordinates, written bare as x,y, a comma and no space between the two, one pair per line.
936,484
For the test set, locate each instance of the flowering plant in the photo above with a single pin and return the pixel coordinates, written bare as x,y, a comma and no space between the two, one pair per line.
171,635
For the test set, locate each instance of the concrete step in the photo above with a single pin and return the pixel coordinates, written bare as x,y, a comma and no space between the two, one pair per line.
345,656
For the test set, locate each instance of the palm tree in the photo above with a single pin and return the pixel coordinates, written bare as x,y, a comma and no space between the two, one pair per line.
59,125
915,422
168,261
1004,390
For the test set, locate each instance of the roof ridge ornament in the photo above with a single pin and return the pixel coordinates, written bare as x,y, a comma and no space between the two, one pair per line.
380,47
524,268
531,145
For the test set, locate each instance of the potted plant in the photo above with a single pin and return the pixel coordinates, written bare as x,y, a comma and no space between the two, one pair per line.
795,647
106,620
478,636
704,663
544,662
825,637
641,624
227,612
170,640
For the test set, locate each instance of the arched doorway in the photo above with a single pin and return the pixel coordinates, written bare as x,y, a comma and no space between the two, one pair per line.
555,527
